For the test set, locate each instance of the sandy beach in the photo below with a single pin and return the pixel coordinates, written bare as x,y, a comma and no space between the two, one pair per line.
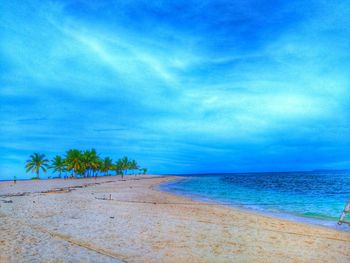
114,220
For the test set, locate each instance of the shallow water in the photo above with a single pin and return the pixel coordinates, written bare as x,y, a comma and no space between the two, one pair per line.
314,197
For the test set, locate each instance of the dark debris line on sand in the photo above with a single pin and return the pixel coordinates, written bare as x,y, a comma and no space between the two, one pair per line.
70,188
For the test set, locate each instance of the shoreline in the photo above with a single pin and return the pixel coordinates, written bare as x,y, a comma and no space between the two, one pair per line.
328,224
281,216
130,220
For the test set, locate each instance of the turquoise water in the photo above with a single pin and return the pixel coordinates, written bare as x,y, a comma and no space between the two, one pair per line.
315,197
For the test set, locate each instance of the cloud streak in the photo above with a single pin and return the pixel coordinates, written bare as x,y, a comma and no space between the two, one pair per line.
189,86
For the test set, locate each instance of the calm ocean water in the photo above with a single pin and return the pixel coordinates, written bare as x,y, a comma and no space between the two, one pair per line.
315,197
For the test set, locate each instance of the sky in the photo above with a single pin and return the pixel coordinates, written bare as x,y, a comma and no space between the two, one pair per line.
180,86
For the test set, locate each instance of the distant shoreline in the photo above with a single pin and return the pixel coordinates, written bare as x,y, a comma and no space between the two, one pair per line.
200,174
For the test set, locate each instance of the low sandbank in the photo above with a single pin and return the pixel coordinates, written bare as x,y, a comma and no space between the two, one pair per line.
114,220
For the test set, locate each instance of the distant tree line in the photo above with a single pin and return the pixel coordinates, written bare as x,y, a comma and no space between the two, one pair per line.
77,163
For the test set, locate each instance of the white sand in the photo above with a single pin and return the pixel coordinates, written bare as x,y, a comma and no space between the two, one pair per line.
141,224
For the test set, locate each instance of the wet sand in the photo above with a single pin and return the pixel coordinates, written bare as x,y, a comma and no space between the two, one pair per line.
110,220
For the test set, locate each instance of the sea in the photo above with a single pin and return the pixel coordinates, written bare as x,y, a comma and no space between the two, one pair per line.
316,197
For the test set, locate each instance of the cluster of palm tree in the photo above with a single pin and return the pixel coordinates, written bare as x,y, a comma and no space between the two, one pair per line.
82,164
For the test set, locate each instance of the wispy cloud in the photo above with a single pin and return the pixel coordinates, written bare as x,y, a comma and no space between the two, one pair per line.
187,86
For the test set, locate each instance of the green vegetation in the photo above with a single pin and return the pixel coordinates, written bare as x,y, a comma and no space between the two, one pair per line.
58,165
107,165
36,162
82,164
34,178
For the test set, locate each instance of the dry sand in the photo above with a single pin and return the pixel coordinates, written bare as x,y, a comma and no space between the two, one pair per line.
142,224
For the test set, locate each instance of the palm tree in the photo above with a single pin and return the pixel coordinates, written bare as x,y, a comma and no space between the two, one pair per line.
36,162
95,162
58,165
143,170
122,165
117,167
125,164
92,161
107,165
86,159
133,165
74,161
97,166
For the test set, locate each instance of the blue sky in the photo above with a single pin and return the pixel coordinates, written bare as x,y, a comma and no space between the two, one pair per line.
181,86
